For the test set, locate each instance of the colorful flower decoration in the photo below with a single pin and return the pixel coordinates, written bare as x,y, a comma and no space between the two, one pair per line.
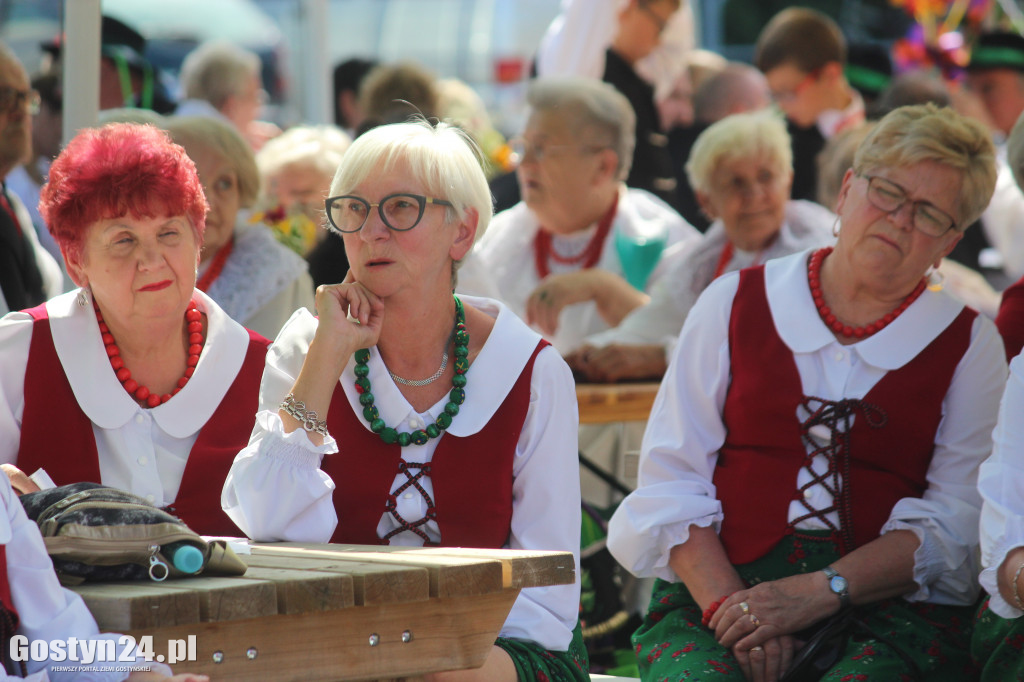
294,228
941,34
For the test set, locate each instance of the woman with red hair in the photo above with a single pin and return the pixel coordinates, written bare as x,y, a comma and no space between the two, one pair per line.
136,380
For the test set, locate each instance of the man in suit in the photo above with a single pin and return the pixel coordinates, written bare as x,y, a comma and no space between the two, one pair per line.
28,274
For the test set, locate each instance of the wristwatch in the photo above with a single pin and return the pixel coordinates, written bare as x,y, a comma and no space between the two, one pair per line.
839,586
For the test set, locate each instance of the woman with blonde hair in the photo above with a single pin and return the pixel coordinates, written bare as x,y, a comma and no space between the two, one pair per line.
407,415
258,281
816,440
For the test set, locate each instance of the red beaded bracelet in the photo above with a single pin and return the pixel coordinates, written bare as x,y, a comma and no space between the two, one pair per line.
709,612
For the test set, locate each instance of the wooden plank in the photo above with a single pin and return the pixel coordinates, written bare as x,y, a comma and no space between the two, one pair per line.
304,591
521,568
123,606
606,403
450,575
222,599
371,583
445,634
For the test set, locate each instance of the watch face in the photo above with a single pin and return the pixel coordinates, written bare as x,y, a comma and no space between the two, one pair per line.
838,584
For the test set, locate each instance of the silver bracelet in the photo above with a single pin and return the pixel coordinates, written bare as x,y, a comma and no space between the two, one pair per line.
1016,590
308,418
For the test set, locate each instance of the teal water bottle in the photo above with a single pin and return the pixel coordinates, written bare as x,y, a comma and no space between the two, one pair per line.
185,557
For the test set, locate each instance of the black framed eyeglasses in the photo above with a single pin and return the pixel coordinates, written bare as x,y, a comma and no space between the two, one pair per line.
400,212
887,196
11,99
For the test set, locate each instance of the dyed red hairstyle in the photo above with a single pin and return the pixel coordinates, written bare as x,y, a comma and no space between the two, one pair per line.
116,170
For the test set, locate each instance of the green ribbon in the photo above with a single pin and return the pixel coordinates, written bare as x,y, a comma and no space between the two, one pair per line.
864,78
995,57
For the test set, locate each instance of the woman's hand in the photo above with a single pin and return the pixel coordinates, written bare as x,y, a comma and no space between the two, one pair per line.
554,293
766,662
350,315
613,296
19,481
617,361
751,617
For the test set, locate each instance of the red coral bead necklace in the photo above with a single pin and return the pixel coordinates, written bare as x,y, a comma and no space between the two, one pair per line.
830,319
194,320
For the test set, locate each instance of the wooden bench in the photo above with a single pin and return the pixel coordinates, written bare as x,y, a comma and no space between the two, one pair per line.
332,612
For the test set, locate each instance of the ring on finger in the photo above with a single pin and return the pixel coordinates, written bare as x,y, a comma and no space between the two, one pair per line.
745,607
756,648
543,295
755,620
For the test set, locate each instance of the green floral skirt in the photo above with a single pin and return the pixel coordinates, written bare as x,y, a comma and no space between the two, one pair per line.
998,646
672,645
536,664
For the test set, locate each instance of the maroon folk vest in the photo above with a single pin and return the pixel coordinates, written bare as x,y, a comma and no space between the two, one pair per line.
757,467
471,475
56,433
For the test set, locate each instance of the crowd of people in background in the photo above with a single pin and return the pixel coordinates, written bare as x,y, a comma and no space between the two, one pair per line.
821,260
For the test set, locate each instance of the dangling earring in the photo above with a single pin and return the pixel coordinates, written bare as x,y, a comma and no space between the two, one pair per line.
835,228
935,279
82,298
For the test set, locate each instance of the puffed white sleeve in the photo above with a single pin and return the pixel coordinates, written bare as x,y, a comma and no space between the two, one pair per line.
945,519
15,339
1001,483
546,502
275,489
681,443
48,612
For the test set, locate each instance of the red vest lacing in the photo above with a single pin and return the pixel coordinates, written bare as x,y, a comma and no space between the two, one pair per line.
471,476
874,460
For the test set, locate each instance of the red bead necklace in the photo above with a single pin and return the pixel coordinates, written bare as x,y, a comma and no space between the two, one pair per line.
124,375
830,319
216,265
543,249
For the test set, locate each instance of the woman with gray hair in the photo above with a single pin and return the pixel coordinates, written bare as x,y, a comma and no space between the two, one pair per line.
256,280
296,168
581,249
448,421
741,168
222,80
816,440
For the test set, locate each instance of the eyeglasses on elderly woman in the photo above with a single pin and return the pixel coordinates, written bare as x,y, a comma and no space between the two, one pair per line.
400,212
887,196
11,99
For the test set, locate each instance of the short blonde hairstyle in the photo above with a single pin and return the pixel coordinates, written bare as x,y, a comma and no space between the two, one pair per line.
590,106
319,147
217,70
196,133
442,158
754,135
924,132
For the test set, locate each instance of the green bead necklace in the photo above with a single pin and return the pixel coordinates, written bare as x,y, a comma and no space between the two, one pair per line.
451,408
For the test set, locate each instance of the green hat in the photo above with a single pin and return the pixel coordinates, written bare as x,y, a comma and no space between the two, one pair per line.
1001,50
